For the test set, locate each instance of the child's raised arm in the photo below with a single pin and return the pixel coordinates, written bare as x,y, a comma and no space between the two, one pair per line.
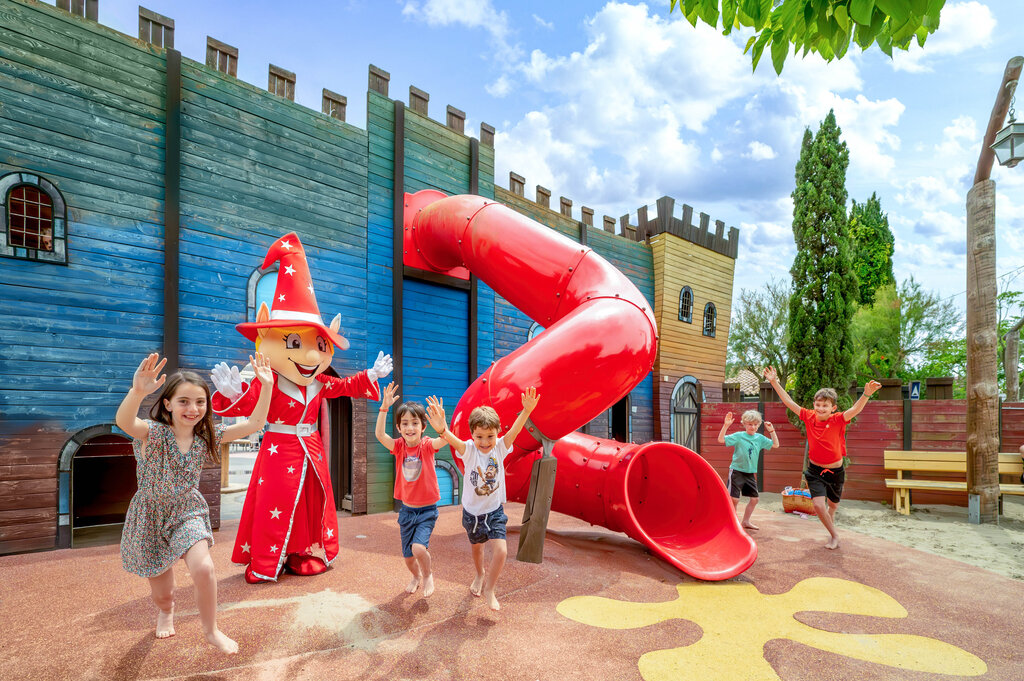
261,367
773,377
870,388
388,396
435,414
725,426
530,400
144,382
771,432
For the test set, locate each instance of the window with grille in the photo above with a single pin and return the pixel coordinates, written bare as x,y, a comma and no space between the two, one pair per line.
686,305
334,104
710,319
221,56
33,219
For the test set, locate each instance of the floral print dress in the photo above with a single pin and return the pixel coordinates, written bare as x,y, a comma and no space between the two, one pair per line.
168,515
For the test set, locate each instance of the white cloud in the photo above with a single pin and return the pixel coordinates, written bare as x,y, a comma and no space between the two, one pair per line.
928,192
964,26
759,151
500,87
470,14
544,24
716,155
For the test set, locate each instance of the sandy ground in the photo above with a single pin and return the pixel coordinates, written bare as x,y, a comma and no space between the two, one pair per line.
942,530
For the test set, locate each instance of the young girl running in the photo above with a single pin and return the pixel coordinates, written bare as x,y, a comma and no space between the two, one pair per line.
168,518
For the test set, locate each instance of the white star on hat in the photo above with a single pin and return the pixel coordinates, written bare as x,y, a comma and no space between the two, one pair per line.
288,269
280,298
286,244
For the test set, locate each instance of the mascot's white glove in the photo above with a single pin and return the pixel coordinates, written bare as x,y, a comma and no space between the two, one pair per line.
227,381
382,366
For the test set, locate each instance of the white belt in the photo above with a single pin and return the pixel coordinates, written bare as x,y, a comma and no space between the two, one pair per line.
302,430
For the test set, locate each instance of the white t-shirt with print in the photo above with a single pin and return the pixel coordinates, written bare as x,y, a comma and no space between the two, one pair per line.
483,487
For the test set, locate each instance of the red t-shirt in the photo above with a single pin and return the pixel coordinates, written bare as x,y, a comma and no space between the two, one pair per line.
826,439
415,476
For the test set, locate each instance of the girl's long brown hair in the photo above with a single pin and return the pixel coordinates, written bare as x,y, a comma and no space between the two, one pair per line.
204,429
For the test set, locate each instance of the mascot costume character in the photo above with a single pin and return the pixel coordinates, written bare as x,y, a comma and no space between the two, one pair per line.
289,512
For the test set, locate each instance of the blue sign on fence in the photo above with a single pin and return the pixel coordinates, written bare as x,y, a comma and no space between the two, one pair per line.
915,390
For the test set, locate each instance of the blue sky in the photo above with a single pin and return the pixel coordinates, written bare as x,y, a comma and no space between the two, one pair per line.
613,105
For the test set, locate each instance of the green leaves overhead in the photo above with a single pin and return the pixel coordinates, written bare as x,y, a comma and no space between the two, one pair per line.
822,26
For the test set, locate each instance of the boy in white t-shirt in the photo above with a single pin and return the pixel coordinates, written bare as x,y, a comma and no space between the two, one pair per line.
483,490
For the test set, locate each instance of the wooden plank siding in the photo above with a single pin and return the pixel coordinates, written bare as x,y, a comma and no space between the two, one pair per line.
683,348
83,107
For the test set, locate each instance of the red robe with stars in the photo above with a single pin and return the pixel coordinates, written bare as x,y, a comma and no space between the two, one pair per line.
289,508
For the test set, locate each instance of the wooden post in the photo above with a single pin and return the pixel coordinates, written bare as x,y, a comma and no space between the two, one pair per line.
982,385
982,332
1010,357
538,506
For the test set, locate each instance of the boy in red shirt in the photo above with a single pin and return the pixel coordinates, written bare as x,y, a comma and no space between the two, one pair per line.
415,483
826,440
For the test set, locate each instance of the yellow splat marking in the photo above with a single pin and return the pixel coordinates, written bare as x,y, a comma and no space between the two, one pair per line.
737,620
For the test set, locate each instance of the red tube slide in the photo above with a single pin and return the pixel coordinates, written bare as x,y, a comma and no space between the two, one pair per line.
600,342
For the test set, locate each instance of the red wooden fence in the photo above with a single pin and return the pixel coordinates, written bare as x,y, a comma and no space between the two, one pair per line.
937,425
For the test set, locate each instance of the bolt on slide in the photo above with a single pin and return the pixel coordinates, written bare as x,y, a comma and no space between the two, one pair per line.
600,341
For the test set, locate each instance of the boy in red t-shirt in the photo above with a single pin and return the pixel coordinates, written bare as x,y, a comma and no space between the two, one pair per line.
826,440
415,483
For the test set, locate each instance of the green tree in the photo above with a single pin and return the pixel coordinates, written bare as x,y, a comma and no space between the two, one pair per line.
894,335
824,294
873,245
825,27
759,331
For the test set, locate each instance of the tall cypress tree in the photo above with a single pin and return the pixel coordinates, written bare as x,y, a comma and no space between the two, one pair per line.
824,285
873,245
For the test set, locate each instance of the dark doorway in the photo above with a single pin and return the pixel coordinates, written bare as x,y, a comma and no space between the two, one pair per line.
686,414
620,420
340,451
102,485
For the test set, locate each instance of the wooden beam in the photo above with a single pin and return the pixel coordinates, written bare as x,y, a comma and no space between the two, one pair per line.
995,122
172,217
398,236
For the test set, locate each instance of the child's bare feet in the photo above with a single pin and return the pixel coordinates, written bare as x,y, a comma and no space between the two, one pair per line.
750,526
833,543
492,600
428,585
477,586
217,639
165,623
413,585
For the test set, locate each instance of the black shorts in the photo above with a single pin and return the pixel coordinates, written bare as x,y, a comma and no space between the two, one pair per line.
825,482
744,484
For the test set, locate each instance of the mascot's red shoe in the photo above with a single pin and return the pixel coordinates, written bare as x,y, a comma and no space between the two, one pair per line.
304,565
253,579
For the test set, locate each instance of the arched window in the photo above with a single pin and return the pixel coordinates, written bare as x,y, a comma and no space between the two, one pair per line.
686,305
535,330
685,420
33,219
260,290
710,319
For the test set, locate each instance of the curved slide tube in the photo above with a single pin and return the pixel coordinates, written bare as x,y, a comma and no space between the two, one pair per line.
599,343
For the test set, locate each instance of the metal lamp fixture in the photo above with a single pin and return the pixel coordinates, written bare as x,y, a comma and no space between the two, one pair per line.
1009,142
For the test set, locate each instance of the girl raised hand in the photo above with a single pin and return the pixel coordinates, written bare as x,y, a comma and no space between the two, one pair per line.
145,380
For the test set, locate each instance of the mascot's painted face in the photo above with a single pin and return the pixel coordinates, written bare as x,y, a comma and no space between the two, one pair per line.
299,354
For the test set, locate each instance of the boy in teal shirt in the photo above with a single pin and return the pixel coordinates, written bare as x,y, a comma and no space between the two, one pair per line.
747,445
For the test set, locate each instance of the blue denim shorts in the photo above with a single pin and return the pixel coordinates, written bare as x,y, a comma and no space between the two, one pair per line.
416,523
480,528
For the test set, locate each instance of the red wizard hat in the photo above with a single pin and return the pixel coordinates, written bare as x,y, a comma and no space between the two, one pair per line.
294,302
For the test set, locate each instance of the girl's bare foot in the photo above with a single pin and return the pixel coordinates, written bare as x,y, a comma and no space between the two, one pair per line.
833,543
413,585
492,600
217,639
165,623
428,585
477,586
750,526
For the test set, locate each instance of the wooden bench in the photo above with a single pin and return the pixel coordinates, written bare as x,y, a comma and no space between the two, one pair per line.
917,462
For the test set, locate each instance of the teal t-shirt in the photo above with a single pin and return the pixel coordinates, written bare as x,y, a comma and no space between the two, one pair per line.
745,450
